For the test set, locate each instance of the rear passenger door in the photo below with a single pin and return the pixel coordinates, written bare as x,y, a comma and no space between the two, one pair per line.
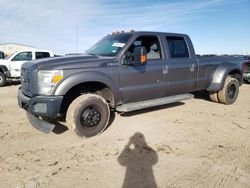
182,66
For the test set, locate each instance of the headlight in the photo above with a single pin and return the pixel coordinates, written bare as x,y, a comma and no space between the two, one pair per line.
47,80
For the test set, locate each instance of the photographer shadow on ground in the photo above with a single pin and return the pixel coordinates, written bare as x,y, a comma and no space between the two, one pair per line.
138,158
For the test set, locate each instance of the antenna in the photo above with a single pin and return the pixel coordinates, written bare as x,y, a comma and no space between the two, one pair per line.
76,38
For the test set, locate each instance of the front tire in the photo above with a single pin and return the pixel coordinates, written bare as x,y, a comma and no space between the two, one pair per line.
230,91
88,115
2,79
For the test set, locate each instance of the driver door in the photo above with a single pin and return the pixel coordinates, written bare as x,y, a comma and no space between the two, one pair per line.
144,81
17,61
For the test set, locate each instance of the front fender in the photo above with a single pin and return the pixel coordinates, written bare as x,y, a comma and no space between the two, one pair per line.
5,70
220,74
84,77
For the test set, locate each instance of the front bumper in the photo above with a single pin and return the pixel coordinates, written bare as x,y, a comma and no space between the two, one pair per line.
45,106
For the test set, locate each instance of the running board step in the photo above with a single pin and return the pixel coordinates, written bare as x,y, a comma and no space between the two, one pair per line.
153,102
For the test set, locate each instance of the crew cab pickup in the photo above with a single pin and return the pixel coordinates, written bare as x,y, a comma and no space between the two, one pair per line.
10,67
122,72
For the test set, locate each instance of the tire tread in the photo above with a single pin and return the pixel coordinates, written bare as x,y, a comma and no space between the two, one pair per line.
222,96
75,105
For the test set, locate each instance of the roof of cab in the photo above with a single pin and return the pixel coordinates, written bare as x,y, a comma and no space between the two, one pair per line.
148,33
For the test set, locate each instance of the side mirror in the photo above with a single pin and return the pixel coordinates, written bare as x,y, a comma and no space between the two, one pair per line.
139,56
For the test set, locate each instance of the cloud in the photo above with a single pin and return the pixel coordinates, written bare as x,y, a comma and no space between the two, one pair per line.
52,24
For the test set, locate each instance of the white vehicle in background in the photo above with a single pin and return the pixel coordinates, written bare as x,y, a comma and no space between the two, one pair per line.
10,67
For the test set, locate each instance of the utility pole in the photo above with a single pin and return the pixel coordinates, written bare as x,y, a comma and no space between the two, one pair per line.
76,38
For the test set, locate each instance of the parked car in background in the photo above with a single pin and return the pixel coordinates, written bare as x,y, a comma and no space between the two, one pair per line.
10,67
246,69
1,55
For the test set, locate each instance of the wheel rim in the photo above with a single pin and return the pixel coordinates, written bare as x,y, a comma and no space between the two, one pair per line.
231,91
90,117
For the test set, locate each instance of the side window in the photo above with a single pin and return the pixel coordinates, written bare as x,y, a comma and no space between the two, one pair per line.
1,55
40,55
152,45
177,47
23,56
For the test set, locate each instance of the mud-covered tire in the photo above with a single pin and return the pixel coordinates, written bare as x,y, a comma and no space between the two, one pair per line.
229,92
2,79
88,115
213,96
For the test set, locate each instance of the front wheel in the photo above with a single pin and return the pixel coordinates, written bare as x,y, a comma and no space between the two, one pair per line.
88,115
2,79
230,91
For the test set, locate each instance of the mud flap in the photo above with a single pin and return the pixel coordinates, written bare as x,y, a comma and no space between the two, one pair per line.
40,124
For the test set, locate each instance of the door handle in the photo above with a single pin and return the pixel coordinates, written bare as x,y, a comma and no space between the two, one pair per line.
192,67
165,69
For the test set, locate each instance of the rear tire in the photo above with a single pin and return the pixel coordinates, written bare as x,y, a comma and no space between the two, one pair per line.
230,91
2,79
88,115
213,96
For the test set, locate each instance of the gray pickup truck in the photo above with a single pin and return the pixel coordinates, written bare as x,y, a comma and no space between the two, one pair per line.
122,72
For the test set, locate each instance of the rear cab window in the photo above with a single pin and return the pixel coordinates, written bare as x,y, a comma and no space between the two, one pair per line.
177,47
40,55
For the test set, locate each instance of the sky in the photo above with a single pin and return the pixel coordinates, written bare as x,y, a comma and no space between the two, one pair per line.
215,26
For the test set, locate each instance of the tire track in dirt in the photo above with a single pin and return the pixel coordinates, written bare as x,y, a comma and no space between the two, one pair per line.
229,175
222,170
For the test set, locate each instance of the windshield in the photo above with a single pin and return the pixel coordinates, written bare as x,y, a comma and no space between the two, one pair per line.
8,57
110,45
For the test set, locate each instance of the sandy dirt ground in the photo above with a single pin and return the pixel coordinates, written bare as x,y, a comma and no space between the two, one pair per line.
195,143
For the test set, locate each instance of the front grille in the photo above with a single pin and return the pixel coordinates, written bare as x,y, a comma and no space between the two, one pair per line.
26,81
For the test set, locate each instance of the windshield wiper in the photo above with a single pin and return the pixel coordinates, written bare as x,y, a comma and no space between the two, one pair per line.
93,53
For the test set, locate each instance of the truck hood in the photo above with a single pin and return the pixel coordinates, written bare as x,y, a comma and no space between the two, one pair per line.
69,62
4,62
